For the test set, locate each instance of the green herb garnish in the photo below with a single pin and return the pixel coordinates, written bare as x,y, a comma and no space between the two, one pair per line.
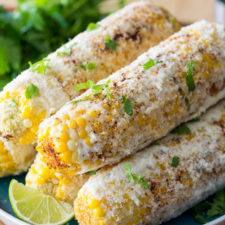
213,207
151,63
13,103
92,26
127,106
67,50
92,172
134,177
97,89
190,76
88,67
175,161
40,66
31,91
182,129
110,44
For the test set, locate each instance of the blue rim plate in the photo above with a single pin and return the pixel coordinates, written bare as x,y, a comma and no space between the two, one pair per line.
8,216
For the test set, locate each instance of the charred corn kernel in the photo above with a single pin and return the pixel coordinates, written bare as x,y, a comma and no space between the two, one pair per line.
134,203
88,141
82,133
81,122
93,114
65,117
120,132
72,124
26,112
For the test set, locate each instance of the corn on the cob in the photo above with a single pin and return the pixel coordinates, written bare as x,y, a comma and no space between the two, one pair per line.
41,90
86,135
16,162
62,187
163,188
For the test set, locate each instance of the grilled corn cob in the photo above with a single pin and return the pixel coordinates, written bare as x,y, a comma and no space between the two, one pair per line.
138,104
41,90
168,178
62,187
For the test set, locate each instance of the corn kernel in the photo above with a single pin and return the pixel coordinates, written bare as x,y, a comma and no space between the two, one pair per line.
93,203
65,127
82,133
61,147
56,122
72,124
93,114
7,94
65,117
98,212
66,156
64,137
88,141
26,112
81,111
81,122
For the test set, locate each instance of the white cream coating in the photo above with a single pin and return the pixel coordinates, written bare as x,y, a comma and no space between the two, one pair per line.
202,159
139,90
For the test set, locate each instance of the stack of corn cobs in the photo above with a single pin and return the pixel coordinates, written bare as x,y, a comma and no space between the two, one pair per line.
100,111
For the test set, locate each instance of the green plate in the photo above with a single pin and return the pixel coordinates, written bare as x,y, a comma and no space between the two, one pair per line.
185,219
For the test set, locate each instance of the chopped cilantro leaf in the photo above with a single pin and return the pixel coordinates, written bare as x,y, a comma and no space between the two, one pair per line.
40,66
31,91
190,76
150,64
67,50
92,172
13,103
110,44
88,67
92,26
182,129
82,86
175,161
134,177
127,106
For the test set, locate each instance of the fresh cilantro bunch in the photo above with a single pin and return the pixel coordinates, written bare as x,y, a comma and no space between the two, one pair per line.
37,28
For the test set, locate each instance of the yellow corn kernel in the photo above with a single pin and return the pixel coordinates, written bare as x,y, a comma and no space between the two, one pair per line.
44,133
81,111
64,137
98,212
72,124
86,162
101,222
81,122
66,156
93,114
106,106
56,122
26,112
82,133
65,117
65,127
7,94
93,203
61,147
88,141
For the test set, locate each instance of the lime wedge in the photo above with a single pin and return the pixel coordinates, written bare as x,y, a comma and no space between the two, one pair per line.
35,207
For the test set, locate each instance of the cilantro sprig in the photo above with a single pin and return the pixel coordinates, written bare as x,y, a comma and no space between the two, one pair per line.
89,66
31,91
97,89
40,66
190,76
134,177
182,129
127,106
92,26
92,172
215,206
67,50
151,63
175,161
110,44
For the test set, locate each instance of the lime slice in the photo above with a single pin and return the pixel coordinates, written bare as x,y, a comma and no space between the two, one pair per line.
35,207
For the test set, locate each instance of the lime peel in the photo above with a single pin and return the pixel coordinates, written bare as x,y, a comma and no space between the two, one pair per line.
34,207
